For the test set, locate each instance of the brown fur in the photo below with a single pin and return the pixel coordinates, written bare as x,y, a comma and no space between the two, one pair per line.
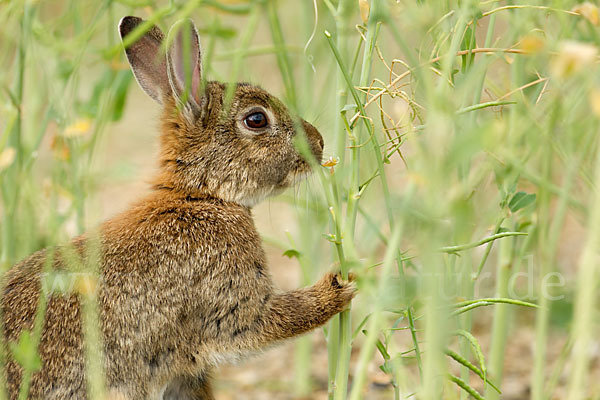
183,281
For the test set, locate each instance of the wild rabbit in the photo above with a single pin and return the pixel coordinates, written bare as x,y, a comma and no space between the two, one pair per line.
183,282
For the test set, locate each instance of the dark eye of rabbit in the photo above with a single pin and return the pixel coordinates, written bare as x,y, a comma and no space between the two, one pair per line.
256,120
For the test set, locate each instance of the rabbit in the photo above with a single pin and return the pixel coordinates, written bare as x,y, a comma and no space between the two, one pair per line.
182,283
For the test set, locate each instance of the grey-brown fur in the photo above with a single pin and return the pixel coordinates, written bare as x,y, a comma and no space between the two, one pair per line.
183,281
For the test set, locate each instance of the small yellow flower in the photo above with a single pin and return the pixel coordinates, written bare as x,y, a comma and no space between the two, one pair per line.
595,101
572,57
531,44
588,11
7,157
365,10
77,129
330,162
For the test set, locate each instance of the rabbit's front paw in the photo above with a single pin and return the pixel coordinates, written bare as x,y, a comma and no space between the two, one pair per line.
339,292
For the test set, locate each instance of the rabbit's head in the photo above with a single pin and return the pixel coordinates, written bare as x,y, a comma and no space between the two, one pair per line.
239,150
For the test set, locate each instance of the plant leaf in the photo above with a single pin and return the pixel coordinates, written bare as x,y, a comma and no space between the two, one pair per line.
521,200
291,253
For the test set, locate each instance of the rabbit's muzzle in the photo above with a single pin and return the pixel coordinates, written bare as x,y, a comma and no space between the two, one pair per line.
315,140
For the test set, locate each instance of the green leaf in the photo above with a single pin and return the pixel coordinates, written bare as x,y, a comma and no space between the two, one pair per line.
349,107
380,347
359,327
382,350
291,253
224,32
118,101
25,352
521,200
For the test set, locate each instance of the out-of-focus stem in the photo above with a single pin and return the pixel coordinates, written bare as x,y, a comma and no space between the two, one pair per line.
368,347
343,19
546,258
500,324
586,300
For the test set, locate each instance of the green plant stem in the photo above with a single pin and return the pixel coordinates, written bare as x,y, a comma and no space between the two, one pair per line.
307,221
500,322
488,249
91,321
343,21
283,59
489,36
238,59
366,352
343,16
11,188
546,258
586,301
465,321
455,249
413,334
353,195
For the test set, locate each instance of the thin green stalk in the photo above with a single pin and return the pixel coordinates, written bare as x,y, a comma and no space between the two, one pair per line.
489,36
343,21
583,330
343,18
366,352
331,190
283,59
500,322
308,220
456,249
488,249
36,332
345,328
413,334
546,258
238,59
353,197
370,130
88,286
11,186
479,106
308,259
465,321
465,386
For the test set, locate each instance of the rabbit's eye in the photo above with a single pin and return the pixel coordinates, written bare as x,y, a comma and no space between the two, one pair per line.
256,120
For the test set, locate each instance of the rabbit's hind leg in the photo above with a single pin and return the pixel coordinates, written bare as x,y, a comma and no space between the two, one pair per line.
190,388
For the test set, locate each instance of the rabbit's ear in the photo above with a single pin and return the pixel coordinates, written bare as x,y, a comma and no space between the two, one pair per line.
184,65
146,58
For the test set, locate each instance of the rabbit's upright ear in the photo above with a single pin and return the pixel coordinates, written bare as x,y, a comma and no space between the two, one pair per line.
184,65
147,60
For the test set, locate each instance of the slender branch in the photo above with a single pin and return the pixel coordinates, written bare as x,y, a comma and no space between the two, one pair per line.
455,249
